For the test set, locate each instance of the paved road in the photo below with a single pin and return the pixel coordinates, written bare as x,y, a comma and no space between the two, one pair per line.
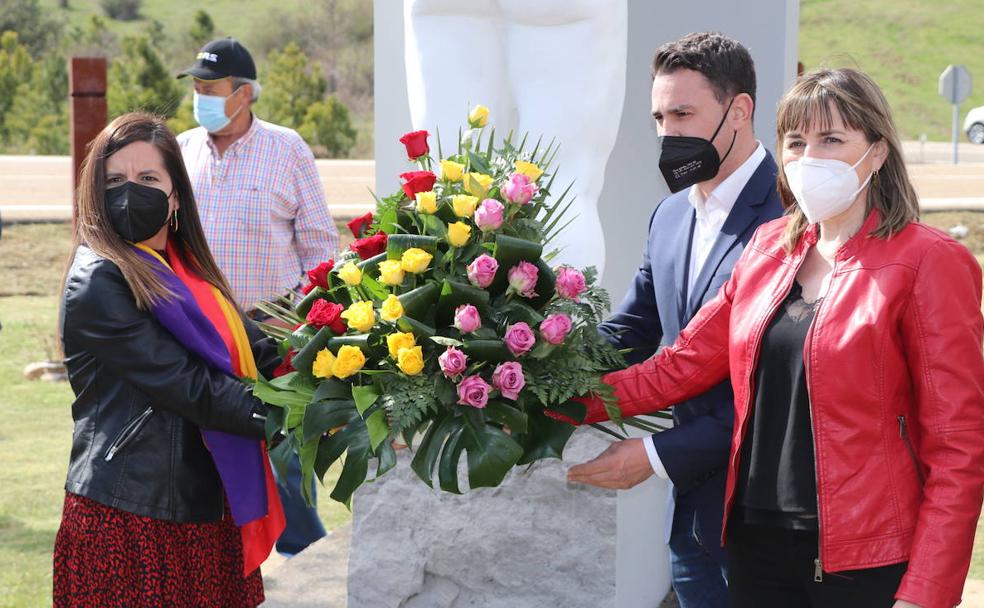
39,187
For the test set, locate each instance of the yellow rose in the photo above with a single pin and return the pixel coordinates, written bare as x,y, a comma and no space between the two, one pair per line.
392,309
464,205
398,341
349,360
350,273
528,169
427,202
452,171
391,272
360,316
478,117
478,184
323,364
458,234
410,360
415,260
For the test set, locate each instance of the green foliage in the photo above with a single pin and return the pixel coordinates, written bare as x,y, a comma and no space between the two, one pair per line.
122,10
327,125
202,28
407,400
291,85
92,39
37,31
15,68
138,80
38,119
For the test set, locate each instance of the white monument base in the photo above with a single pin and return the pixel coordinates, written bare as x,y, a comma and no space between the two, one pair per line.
535,541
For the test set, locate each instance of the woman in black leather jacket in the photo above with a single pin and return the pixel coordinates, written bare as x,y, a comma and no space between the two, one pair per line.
146,520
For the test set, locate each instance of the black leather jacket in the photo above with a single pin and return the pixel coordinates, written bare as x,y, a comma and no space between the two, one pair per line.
141,400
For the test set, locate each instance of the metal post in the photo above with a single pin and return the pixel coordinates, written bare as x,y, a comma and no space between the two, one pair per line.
87,91
956,123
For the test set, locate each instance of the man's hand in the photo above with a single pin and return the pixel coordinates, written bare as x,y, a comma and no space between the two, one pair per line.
622,466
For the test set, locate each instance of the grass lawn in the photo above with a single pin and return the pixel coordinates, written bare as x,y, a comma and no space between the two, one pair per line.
904,45
36,434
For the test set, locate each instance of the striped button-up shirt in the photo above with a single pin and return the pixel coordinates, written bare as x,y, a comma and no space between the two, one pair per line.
262,207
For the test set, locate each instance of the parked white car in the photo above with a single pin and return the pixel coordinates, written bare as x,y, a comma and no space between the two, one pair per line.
974,125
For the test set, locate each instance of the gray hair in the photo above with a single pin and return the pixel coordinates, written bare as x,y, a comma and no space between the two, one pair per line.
256,88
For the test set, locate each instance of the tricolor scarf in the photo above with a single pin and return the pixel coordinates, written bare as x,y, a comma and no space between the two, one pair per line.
207,324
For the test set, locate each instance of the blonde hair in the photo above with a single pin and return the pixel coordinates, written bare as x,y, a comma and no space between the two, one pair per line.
862,107
94,228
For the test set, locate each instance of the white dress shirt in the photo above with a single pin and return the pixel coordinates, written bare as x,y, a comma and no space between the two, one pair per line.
710,216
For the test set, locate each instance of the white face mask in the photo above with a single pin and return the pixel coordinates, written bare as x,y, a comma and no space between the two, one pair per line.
824,187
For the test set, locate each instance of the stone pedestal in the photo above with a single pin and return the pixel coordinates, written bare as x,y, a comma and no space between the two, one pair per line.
534,541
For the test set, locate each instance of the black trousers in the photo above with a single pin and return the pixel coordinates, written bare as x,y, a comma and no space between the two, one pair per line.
771,567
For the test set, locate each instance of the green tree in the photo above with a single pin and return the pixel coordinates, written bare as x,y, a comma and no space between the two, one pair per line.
16,68
38,119
38,32
327,125
138,80
202,28
293,83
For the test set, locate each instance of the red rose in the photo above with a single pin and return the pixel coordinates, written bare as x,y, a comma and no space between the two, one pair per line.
417,181
416,143
326,314
370,246
286,366
319,275
360,224
308,288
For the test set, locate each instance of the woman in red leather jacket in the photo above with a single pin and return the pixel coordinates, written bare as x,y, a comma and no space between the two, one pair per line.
852,335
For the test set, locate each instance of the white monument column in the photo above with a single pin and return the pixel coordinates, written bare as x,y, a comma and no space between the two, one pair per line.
537,540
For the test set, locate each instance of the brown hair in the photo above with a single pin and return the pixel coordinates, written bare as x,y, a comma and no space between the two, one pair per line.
725,63
862,107
94,228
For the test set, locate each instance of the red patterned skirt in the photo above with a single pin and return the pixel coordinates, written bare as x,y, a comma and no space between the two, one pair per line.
105,557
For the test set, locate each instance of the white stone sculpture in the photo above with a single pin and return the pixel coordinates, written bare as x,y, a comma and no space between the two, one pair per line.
550,67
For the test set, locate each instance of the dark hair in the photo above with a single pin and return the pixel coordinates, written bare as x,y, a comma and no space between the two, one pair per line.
94,229
725,63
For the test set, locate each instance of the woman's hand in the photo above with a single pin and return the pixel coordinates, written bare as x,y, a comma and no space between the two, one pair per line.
905,604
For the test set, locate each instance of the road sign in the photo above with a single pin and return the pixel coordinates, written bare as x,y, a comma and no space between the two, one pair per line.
955,88
955,84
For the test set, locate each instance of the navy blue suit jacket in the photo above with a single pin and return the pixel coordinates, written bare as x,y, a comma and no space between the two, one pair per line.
658,306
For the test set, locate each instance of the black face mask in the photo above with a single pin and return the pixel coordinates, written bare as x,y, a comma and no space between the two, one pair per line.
685,161
136,211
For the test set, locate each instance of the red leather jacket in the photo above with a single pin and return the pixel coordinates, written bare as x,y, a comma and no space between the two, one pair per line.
895,373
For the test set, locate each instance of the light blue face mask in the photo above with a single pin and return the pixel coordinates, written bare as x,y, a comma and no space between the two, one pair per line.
210,112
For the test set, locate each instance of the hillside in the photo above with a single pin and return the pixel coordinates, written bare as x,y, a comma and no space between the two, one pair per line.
904,45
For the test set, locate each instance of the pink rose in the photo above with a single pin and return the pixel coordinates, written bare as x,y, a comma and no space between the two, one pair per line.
482,271
488,216
473,391
522,279
519,189
508,378
519,338
453,362
467,319
570,283
555,328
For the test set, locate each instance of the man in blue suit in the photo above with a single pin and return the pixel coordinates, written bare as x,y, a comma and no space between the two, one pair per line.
724,184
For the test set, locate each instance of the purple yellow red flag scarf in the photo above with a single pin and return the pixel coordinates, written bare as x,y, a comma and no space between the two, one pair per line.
208,325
